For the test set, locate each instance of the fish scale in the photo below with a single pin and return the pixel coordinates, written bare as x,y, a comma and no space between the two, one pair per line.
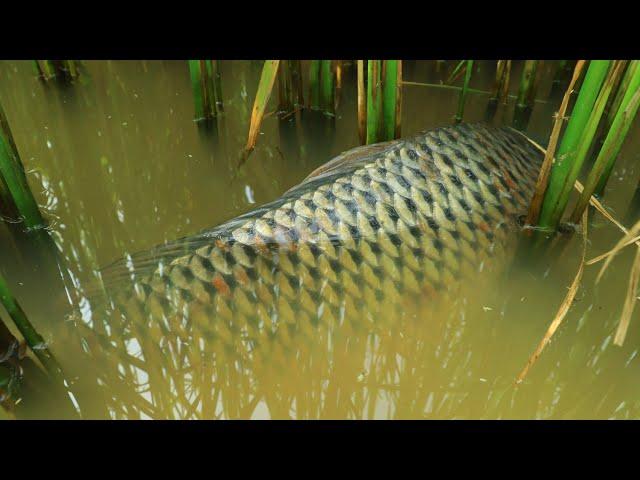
375,226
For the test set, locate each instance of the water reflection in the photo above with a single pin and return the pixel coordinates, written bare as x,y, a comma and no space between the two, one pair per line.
118,165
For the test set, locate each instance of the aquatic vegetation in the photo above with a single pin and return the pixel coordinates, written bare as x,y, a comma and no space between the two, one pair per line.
456,357
382,114
16,194
58,69
290,95
207,88
526,94
500,88
575,143
603,165
267,79
463,92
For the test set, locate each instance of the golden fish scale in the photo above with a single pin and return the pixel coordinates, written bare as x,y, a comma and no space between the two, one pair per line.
407,222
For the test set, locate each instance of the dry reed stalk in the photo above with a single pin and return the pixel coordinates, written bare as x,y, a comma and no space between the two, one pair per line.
629,301
564,306
543,177
265,87
362,104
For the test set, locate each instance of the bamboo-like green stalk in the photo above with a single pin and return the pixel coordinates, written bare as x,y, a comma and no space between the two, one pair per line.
267,79
314,84
576,141
328,82
15,180
362,104
525,99
374,100
603,165
463,93
391,97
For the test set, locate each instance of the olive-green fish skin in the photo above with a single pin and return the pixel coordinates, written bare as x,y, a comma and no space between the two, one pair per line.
406,218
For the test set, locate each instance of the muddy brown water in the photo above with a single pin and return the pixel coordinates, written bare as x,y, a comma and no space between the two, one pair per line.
118,165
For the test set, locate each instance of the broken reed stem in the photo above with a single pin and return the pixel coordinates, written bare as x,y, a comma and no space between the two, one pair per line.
526,94
629,234
543,177
564,306
629,302
267,79
362,104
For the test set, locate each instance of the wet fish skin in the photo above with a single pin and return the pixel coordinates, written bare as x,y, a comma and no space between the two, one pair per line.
408,218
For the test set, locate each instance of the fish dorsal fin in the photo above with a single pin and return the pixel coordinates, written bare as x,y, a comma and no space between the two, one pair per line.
347,161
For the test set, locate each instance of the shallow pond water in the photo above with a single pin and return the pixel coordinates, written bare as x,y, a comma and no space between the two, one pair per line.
118,165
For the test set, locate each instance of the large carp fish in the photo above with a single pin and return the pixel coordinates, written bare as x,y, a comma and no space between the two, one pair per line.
376,225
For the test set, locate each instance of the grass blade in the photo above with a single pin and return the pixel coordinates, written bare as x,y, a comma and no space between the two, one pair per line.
267,79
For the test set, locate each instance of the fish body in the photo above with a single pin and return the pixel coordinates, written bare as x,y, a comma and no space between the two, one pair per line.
378,224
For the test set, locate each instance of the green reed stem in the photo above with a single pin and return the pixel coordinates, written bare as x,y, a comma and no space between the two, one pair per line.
455,72
207,93
463,93
391,98
605,161
374,100
295,67
285,91
14,179
576,141
267,79
526,94
34,340
314,85
328,86
617,99
46,69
